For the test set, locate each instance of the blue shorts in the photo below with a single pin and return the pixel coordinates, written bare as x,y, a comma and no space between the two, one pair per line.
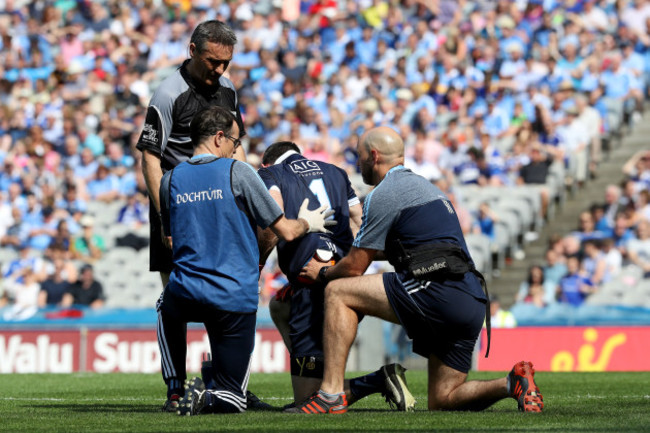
306,322
440,319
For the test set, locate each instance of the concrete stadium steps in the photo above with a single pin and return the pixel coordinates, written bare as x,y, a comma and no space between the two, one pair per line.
566,217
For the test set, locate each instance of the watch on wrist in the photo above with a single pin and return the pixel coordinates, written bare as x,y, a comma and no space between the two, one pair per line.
321,273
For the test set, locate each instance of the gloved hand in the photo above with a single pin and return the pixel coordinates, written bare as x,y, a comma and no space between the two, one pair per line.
316,219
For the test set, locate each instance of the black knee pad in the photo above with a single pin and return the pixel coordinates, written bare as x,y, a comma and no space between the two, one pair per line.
307,366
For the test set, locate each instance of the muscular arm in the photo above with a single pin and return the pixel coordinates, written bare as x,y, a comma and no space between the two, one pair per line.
152,173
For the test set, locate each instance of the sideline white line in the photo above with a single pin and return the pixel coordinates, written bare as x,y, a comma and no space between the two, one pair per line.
156,400
110,399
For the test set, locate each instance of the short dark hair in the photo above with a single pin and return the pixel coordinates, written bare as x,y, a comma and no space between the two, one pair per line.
213,31
276,150
207,122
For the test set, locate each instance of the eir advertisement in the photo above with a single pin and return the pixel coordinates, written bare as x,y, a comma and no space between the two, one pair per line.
587,349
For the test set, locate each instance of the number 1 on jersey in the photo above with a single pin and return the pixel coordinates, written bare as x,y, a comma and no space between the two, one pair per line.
317,186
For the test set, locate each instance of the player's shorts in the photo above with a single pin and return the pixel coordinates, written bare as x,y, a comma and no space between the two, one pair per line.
440,318
160,257
306,322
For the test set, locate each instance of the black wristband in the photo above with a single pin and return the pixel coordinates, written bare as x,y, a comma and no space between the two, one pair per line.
321,274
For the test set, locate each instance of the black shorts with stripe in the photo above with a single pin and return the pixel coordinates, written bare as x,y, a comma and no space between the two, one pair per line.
440,318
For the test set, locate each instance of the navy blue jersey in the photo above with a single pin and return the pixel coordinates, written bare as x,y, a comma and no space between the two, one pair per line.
406,207
211,208
323,184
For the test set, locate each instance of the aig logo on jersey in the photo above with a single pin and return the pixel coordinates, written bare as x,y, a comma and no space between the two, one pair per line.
304,166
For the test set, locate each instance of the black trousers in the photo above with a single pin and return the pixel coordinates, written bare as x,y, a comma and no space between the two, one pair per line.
232,339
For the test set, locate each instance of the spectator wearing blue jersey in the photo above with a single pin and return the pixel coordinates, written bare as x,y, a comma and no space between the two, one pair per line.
486,220
211,206
574,287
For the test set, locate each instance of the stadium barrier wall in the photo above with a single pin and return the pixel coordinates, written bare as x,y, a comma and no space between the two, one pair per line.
579,348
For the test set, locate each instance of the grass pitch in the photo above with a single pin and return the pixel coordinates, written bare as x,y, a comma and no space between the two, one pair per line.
574,402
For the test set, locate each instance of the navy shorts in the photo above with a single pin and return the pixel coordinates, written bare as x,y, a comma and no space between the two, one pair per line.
306,322
440,318
160,257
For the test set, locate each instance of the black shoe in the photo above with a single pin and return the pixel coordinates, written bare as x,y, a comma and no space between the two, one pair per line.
289,406
171,405
254,403
397,393
194,398
316,404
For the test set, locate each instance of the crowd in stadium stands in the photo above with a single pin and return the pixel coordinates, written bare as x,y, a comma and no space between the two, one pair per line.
611,244
483,92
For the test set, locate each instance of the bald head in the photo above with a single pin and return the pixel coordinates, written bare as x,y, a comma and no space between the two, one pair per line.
386,142
380,149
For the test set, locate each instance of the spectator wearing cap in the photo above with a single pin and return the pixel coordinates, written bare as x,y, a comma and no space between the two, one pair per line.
514,65
507,26
85,292
88,246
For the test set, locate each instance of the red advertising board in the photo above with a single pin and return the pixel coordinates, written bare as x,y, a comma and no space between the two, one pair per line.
568,348
131,351
127,351
39,351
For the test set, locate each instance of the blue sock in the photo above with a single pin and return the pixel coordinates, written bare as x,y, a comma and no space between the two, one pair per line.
368,384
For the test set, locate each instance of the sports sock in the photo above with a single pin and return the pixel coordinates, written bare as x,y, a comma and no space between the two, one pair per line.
174,386
329,397
368,384
509,385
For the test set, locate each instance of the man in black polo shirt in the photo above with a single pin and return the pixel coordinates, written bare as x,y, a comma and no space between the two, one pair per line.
165,142
86,291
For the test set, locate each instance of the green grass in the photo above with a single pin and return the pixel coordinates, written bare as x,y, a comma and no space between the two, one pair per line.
574,402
